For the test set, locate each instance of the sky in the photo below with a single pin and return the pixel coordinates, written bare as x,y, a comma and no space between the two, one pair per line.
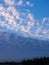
28,18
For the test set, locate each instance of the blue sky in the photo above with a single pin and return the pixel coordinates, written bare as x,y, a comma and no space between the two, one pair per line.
41,9
27,18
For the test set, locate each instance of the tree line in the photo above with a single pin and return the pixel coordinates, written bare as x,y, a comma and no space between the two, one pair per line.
35,61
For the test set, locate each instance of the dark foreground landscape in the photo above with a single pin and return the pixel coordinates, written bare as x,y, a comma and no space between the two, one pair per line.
37,61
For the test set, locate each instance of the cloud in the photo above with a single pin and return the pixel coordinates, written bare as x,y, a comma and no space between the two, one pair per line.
38,30
10,21
23,21
30,16
1,7
45,20
29,4
20,3
9,2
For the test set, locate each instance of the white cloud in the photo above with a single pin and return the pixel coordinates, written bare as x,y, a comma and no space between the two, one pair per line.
1,7
29,25
10,21
2,23
9,2
26,24
23,28
29,4
38,30
30,17
20,3
45,20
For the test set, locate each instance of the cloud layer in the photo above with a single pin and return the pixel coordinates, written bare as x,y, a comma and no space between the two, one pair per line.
21,21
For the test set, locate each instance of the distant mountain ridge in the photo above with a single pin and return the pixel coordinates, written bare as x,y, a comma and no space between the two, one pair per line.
14,47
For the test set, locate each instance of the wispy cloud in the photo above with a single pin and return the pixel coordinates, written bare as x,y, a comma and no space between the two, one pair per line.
45,20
